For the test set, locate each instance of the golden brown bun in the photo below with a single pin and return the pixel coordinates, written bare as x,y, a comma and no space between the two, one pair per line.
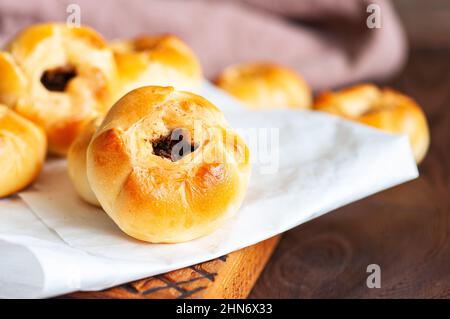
265,85
384,109
162,60
22,151
76,162
149,191
58,77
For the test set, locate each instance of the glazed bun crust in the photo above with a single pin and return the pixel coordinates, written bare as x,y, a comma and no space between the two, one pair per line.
263,85
162,60
76,162
385,109
157,198
22,151
58,77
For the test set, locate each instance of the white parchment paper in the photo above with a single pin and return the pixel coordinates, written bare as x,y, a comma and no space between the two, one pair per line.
51,242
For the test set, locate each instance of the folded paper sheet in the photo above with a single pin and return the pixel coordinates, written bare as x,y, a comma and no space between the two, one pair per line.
314,164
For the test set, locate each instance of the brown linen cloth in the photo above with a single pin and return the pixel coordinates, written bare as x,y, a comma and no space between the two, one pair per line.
327,41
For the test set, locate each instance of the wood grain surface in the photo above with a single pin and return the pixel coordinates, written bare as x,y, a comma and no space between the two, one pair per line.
406,229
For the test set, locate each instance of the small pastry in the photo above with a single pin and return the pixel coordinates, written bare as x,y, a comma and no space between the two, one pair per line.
166,167
58,77
76,162
385,109
22,151
265,86
162,60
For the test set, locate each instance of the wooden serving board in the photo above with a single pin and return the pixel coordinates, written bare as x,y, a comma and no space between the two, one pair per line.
230,276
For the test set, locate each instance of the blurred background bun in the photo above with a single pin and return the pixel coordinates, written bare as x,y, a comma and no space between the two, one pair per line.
385,109
22,151
262,85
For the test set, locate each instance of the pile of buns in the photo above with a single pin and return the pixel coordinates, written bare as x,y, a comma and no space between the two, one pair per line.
161,162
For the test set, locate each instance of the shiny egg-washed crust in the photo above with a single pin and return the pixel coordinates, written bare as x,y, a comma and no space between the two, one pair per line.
262,85
153,198
48,47
385,109
162,60
76,162
23,146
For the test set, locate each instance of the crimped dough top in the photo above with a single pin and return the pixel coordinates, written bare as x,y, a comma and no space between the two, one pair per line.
139,189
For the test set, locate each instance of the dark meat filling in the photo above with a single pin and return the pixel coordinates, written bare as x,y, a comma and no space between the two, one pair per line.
173,146
56,79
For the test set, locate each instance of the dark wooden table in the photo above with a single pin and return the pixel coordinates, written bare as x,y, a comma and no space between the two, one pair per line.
406,229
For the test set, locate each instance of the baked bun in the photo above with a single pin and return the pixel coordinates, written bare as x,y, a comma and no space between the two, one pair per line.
22,151
157,178
265,85
162,60
58,77
384,109
76,162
